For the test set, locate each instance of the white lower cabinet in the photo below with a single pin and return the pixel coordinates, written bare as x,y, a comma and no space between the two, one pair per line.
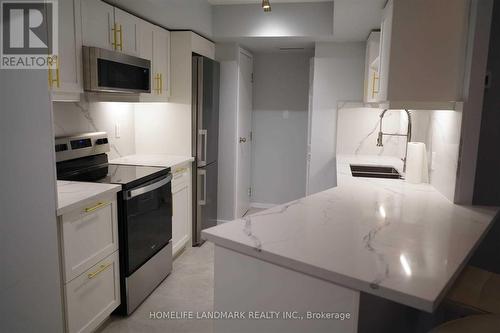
88,235
92,296
89,253
181,219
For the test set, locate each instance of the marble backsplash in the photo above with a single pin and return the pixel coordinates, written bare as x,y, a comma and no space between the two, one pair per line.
357,130
117,119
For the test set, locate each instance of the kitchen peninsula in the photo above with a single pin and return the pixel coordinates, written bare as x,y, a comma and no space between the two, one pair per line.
400,242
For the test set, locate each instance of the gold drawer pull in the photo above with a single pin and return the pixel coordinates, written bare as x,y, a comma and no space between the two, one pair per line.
181,170
96,207
101,269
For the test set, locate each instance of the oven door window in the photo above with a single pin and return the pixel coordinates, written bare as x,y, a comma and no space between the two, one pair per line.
122,76
148,225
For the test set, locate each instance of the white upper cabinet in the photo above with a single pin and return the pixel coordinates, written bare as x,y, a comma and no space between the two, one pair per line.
155,46
97,24
110,28
65,76
422,53
371,67
161,61
127,27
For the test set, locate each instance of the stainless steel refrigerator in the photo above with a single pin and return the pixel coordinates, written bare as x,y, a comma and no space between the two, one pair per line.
205,144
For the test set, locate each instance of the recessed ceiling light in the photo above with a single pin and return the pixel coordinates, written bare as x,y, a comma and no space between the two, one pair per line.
266,6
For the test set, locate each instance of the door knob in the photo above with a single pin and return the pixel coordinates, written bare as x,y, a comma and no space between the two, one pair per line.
243,140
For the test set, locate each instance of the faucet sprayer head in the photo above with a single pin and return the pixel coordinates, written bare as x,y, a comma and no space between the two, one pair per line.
379,139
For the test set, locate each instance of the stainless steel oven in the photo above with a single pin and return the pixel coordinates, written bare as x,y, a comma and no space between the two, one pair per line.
144,211
111,71
145,230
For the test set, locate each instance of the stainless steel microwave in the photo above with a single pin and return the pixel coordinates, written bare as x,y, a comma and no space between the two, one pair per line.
111,71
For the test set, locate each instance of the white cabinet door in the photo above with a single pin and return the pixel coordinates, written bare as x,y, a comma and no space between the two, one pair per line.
146,52
88,235
385,50
372,60
92,296
128,35
65,76
181,222
97,24
161,60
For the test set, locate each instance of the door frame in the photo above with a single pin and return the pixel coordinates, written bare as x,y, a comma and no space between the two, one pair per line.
241,51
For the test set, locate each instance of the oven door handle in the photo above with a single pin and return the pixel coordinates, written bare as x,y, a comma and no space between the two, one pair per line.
148,188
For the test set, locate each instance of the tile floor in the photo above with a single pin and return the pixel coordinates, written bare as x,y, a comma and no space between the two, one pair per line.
188,288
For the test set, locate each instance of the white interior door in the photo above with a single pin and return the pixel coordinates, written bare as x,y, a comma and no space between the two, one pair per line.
244,144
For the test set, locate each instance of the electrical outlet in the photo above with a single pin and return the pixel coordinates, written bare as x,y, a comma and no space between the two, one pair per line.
117,130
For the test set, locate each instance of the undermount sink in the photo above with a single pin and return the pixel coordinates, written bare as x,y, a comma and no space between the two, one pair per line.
374,171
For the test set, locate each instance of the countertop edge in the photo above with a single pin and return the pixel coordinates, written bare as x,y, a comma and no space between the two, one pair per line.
68,208
138,161
329,276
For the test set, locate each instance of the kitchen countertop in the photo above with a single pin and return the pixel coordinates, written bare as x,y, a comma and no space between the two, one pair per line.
157,160
71,195
400,241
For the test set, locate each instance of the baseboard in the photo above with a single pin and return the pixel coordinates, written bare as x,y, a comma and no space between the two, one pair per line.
262,205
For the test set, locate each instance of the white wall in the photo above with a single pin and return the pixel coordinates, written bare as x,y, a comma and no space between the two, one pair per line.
279,146
193,15
338,76
163,128
285,20
81,117
357,130
30,285
443,147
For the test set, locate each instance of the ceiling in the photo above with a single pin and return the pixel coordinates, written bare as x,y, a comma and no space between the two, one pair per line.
352,22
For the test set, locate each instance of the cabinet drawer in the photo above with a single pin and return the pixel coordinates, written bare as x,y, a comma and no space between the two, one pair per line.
92,296
88,235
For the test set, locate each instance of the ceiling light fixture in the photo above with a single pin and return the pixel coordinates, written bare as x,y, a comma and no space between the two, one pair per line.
266,6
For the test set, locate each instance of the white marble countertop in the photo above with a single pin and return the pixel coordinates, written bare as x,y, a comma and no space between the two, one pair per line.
399,241
155,160
71,195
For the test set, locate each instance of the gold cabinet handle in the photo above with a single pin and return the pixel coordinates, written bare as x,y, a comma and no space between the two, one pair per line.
55,80
161,83
121,38
117,29
374,91
157,83
114,36
96,207
101,269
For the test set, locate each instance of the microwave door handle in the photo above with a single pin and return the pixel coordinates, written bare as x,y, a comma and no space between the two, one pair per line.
203,173
148,188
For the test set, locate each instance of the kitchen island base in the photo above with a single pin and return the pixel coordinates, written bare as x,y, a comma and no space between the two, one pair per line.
276,299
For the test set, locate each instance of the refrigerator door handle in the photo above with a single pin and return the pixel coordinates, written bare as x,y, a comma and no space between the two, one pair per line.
202,201
203,154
